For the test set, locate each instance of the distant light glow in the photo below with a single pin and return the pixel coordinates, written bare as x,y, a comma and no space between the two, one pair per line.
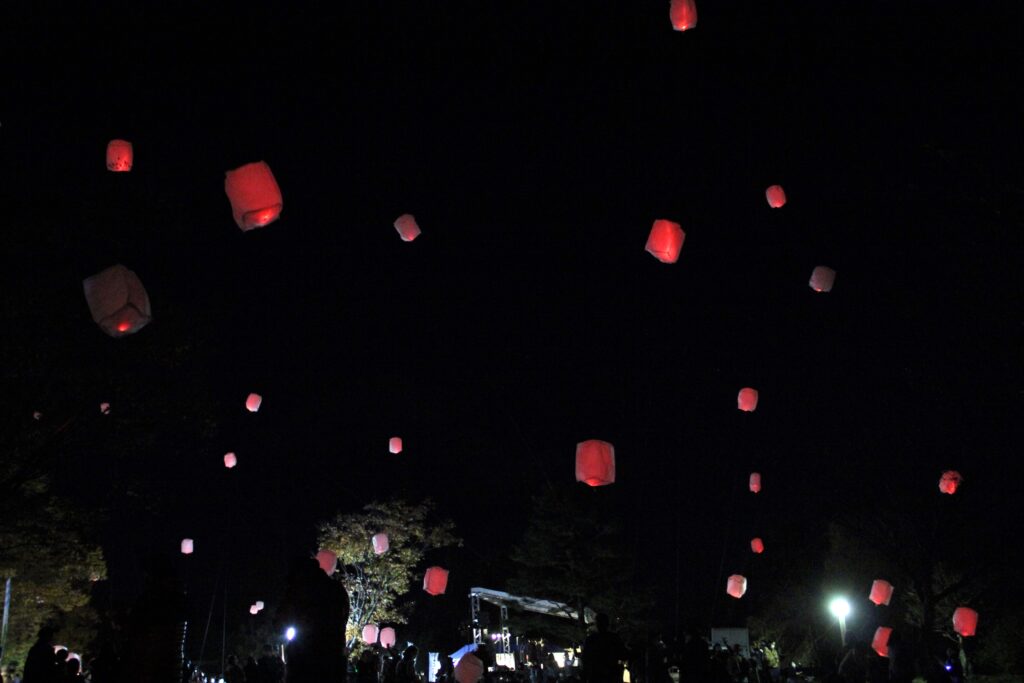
840,608
290,633
124,326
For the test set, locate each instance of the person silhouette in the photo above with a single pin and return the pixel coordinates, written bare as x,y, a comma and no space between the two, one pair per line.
39,662
317,607
602,652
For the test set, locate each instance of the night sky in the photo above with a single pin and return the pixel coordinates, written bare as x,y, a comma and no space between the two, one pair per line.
535,142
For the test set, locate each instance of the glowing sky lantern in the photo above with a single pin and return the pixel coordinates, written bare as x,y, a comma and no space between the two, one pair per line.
230,460
254,195
736,586
370,633
683,14
387,637
117,301
253,609
380,543
595,462
776,196
37,415
822,279
665,241
755,482
470,669
259,604
407,227
880,643
757,545
328,561
949,482
965,621
881,592
105,408
187,546
435,581
395,444
746,400
119,156
253,402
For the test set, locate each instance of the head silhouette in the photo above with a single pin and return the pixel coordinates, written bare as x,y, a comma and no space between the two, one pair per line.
602,623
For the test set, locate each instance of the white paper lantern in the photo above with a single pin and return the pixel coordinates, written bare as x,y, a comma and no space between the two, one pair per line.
117,301
380,543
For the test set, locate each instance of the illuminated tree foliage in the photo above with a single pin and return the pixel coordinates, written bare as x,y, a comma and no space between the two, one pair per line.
376,583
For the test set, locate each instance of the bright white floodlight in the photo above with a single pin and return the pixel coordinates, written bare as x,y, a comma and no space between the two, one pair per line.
840,608
290,633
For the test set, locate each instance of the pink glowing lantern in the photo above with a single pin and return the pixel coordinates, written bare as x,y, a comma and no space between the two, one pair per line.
253,610
387,637
880,643
965,621
950,481
395,444
736,586
328,561
119,156
435,581
776,196
253,402
187,546
117,301
407,227
755,482
370,634
746,400
105,408
254,195
259,605
595,462
822,279
881,592
665,241
683,14
470,669
230,460
37,416
757,545
380,543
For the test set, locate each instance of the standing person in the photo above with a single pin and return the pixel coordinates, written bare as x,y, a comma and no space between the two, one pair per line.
771,660
39,663
156,627
407,667
854,667
602,652
317,607
234,672
271,668
252,670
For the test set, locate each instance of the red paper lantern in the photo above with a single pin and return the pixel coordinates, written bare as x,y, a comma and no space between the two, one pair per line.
950,481
880,643
328,561
595,462
407,227
380,543
117,301
881,592
387,637
683,14
755,482
230,460
776,196
395,444
822,279
665,241
187,546
254,195
746,400
965,621
370,633
253,609
757,545
470,669
736,586
253,402
435,580
119,156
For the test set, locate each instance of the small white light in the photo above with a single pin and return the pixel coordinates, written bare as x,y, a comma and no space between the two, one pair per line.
290,633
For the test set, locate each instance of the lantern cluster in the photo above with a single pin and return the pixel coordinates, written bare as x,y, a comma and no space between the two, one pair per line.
256,607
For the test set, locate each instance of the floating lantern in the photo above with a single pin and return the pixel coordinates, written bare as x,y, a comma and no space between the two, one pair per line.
757,545
253,402
259,604
755,482
950,481
435,580
736,586
469,669
822,279
880,643
776,196
595,463
187,546
965,621
105,408
746,400
37,416
407,227
117,301
253,609
395,444
254,195
380,543
230,460
881,592
370,633
665,241
328,561
119,156
683,14
387,637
